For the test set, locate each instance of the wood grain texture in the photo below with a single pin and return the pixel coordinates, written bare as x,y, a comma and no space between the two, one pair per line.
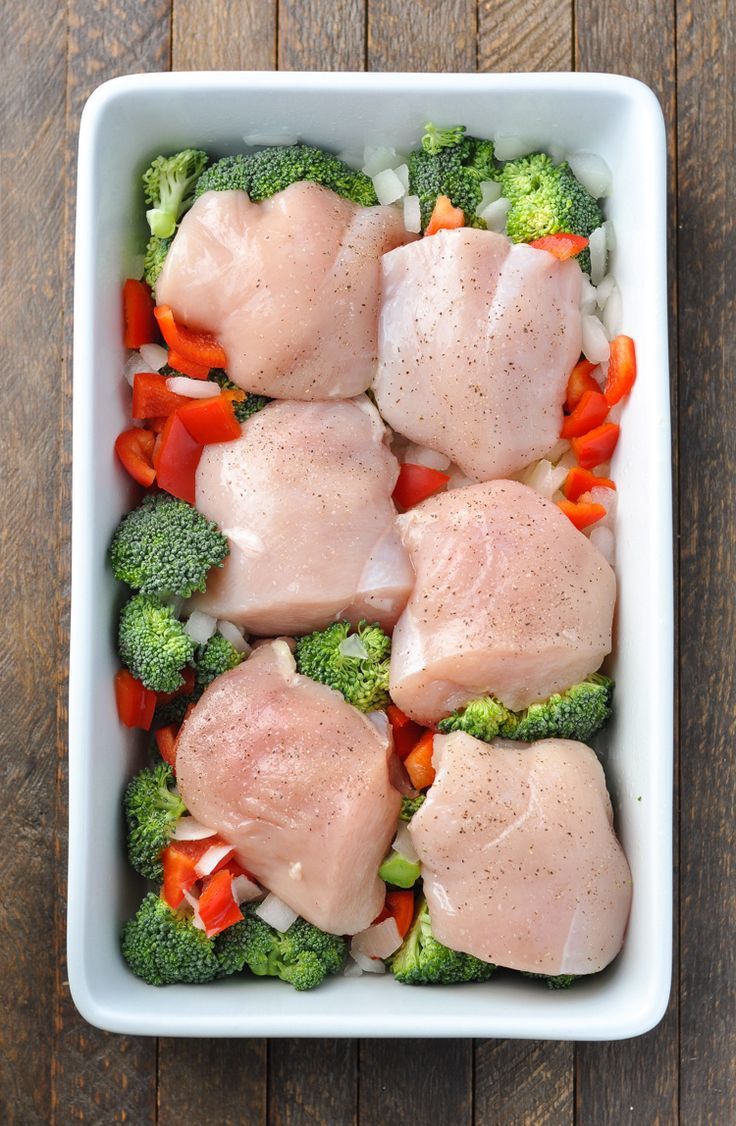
523,1083
312,1083
211,1081
95,1077
318,36
412,1081
223,35
636,1079
706,54
32,56
422,35
525,36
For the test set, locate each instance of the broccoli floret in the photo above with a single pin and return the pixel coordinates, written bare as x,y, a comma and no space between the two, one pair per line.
556,981
153,644
409,806
355,665
422,960
151,809
452,164
153,263
578,713
173,711
484,718
166,547
547,198
242,409
217,656
303,955
164,947
264,173
169,187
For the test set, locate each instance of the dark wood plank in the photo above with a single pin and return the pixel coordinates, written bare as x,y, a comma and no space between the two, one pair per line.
32,61
96,1077
523,1083
423,35
515,36
318,36
406,1081
223,34
706,55
639,1077
312,1081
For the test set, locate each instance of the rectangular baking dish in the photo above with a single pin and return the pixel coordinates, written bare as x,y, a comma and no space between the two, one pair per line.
125,123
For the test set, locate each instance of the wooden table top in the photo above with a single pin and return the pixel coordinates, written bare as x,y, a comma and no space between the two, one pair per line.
55,1067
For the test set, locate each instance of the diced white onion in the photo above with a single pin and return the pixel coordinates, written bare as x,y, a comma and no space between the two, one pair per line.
604,539
595,342
352,969
587,295
353,646
603,291
508,148
610,235
402,174
276,913
193,902
200,627
612,315
133,365
192,388
234,635
545,478
609,499
490,191
244,890
558,451
494,216
458,480
267,140
378,158
421,455
403,844
378,941
155,356
598,255
412,214
388,186
592,172
366,964
189,829
209,860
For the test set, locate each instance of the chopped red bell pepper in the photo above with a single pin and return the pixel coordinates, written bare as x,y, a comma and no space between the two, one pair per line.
579,481
156,424
416,483
217,908
591,411
138,318
199,347
135,703
583,513
135,450
418,762
400,906
406,733
187,366
444,216
621,369
176,459
579,382
179,874
166,742
597,446
563,244
210,420
152,398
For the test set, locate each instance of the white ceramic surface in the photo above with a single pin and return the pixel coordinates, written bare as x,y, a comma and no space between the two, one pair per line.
125,123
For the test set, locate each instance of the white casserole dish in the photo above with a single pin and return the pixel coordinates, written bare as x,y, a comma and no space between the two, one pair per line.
125,123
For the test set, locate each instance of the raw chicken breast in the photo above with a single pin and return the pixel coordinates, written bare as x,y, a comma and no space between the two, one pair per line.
477,339
304,497
297,781
289,287
520,862
510,599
